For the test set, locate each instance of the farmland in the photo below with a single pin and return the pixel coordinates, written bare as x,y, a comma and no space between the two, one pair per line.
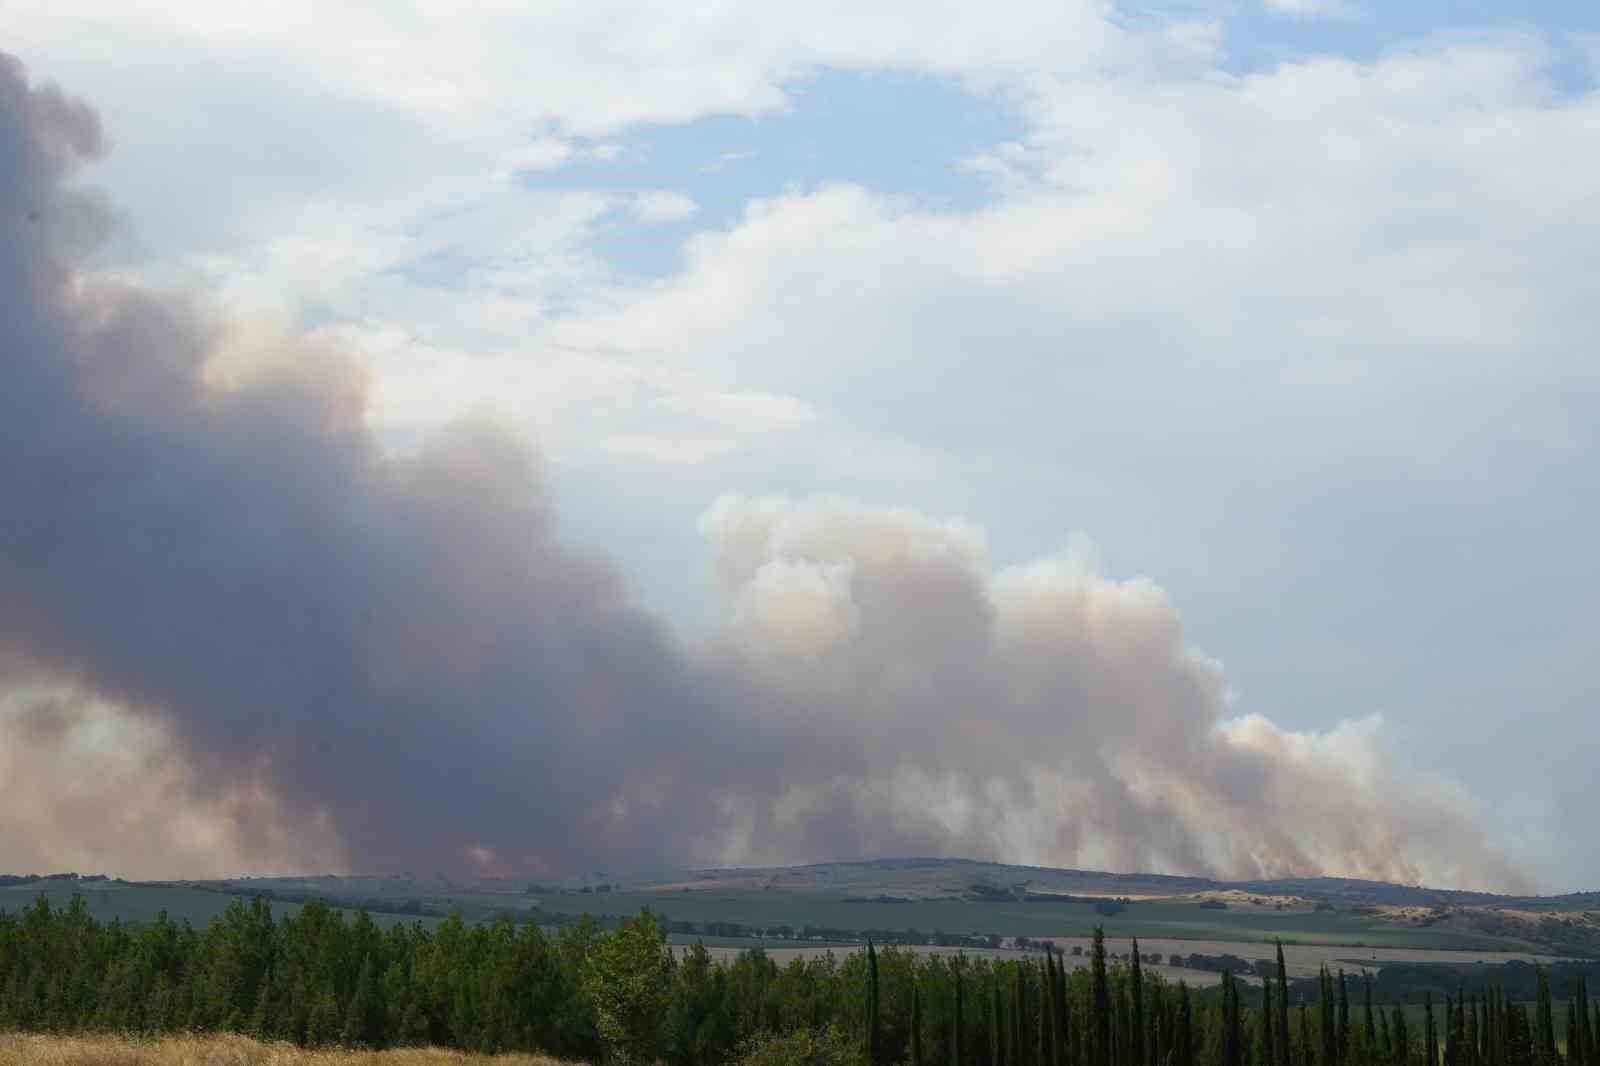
955,903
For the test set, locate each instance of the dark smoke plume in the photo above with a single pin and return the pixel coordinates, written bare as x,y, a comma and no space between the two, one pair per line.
238,635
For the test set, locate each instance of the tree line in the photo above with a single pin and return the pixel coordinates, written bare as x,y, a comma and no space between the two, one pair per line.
625,997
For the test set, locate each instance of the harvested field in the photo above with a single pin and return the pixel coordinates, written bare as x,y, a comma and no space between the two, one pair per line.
224,1050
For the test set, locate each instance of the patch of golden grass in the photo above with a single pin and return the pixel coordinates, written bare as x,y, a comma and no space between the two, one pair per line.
225,1049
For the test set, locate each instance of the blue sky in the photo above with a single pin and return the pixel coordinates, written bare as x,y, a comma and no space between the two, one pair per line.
1284,306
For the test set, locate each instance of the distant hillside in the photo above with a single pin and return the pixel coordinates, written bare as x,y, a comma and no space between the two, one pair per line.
916,900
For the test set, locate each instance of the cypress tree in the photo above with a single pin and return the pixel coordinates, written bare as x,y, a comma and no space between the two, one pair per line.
1269,1046
996,1057
1586,1052
1574,1041
1282,1027
1069,1047
1136,1017
1042,1050
1429,1033
873,1033
955,1024
1047,1006
1385,1053
1402,1039
1183,1035
1307,1051
1100,1003
1119,1023
916,1022
1342,1042
1450,1046
1545,1044
1232,1036
1474,1047
1326,1020
1019,1053
1369,1034
1496,1036
1480,1013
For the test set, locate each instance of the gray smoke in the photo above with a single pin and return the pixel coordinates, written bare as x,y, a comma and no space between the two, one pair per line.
237,634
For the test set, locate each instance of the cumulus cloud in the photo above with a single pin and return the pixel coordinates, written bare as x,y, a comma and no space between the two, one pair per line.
333,653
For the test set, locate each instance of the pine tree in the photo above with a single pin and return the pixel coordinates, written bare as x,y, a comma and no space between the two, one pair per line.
261,1017
322,1023
363,1024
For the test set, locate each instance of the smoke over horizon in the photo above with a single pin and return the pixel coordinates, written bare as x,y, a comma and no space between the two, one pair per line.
236,635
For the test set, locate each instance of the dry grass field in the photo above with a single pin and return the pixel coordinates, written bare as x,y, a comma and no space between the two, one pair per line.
225,1050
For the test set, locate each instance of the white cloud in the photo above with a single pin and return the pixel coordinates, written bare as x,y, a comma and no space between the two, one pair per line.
1307,7
661,206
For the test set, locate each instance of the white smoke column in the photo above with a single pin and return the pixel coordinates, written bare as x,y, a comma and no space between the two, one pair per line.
1039,713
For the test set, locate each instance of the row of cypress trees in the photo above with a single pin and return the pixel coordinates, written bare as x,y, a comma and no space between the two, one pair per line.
1123,1017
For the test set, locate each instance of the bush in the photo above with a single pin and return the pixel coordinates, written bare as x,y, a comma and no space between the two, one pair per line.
802,1047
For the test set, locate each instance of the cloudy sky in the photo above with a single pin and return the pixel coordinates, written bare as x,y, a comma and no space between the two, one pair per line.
1285,305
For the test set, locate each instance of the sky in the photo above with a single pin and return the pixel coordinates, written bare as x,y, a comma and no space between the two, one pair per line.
1281,308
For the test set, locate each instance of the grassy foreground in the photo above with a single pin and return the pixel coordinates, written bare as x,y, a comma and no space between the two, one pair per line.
225,1050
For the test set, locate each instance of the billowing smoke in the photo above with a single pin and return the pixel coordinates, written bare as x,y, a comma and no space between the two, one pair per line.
238,635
